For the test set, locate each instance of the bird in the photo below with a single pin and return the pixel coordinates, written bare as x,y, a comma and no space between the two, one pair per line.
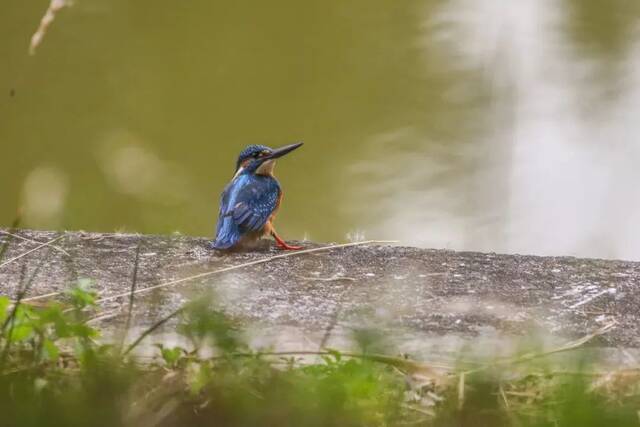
249,202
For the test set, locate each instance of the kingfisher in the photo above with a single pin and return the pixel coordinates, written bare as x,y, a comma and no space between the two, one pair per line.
249,202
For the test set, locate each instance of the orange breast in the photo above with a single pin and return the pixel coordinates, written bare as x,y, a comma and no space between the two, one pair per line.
268,226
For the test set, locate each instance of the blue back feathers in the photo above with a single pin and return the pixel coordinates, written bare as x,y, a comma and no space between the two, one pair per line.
245,206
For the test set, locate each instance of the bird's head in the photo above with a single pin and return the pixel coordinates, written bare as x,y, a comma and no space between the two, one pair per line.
260,159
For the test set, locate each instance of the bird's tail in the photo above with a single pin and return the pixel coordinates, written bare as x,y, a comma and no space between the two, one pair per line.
227,235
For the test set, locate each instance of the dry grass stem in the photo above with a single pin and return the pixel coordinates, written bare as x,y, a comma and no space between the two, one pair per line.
17,236
571,345
423,411
54,7
504,398
39,297
328,279
239,266
104,316
461,381
210,273
43,245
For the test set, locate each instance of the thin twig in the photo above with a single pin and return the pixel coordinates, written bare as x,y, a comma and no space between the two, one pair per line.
103,316
45,22
151,329
21,291
566,347
507,406
5,245
239,266
422,411
571,345
43,296
328,279
134,285
461,381
10,320
43,245
588,300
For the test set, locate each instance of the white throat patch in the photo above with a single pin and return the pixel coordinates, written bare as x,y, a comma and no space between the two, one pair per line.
266,168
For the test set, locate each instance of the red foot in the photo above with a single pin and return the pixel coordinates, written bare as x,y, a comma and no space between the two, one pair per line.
283,245
286,247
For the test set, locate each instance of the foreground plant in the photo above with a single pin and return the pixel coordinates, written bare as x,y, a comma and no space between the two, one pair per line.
55,372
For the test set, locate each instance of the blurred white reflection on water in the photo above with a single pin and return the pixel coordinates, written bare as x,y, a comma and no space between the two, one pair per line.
44,195
132,168
556,171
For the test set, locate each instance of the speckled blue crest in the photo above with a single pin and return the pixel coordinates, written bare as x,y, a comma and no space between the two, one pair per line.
249,152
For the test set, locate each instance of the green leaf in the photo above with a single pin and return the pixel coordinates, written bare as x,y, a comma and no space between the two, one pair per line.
51,313
4,308
171,356
82,295
198,376
335,353
327,360
82,330
62,328
51,350
21,332
24,314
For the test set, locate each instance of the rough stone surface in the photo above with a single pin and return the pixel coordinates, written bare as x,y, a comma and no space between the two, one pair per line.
322,296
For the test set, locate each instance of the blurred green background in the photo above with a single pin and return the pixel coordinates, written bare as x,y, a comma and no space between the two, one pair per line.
467,124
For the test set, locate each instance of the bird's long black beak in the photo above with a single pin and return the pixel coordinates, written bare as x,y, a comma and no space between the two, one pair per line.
279,152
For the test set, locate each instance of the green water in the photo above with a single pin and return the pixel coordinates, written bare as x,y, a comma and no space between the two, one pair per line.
461,124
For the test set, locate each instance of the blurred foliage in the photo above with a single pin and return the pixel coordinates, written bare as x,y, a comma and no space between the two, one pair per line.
54,373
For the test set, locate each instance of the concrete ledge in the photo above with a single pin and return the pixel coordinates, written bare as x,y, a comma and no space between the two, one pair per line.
416,292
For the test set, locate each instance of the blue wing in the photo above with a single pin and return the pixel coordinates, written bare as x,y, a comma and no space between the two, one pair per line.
245,206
